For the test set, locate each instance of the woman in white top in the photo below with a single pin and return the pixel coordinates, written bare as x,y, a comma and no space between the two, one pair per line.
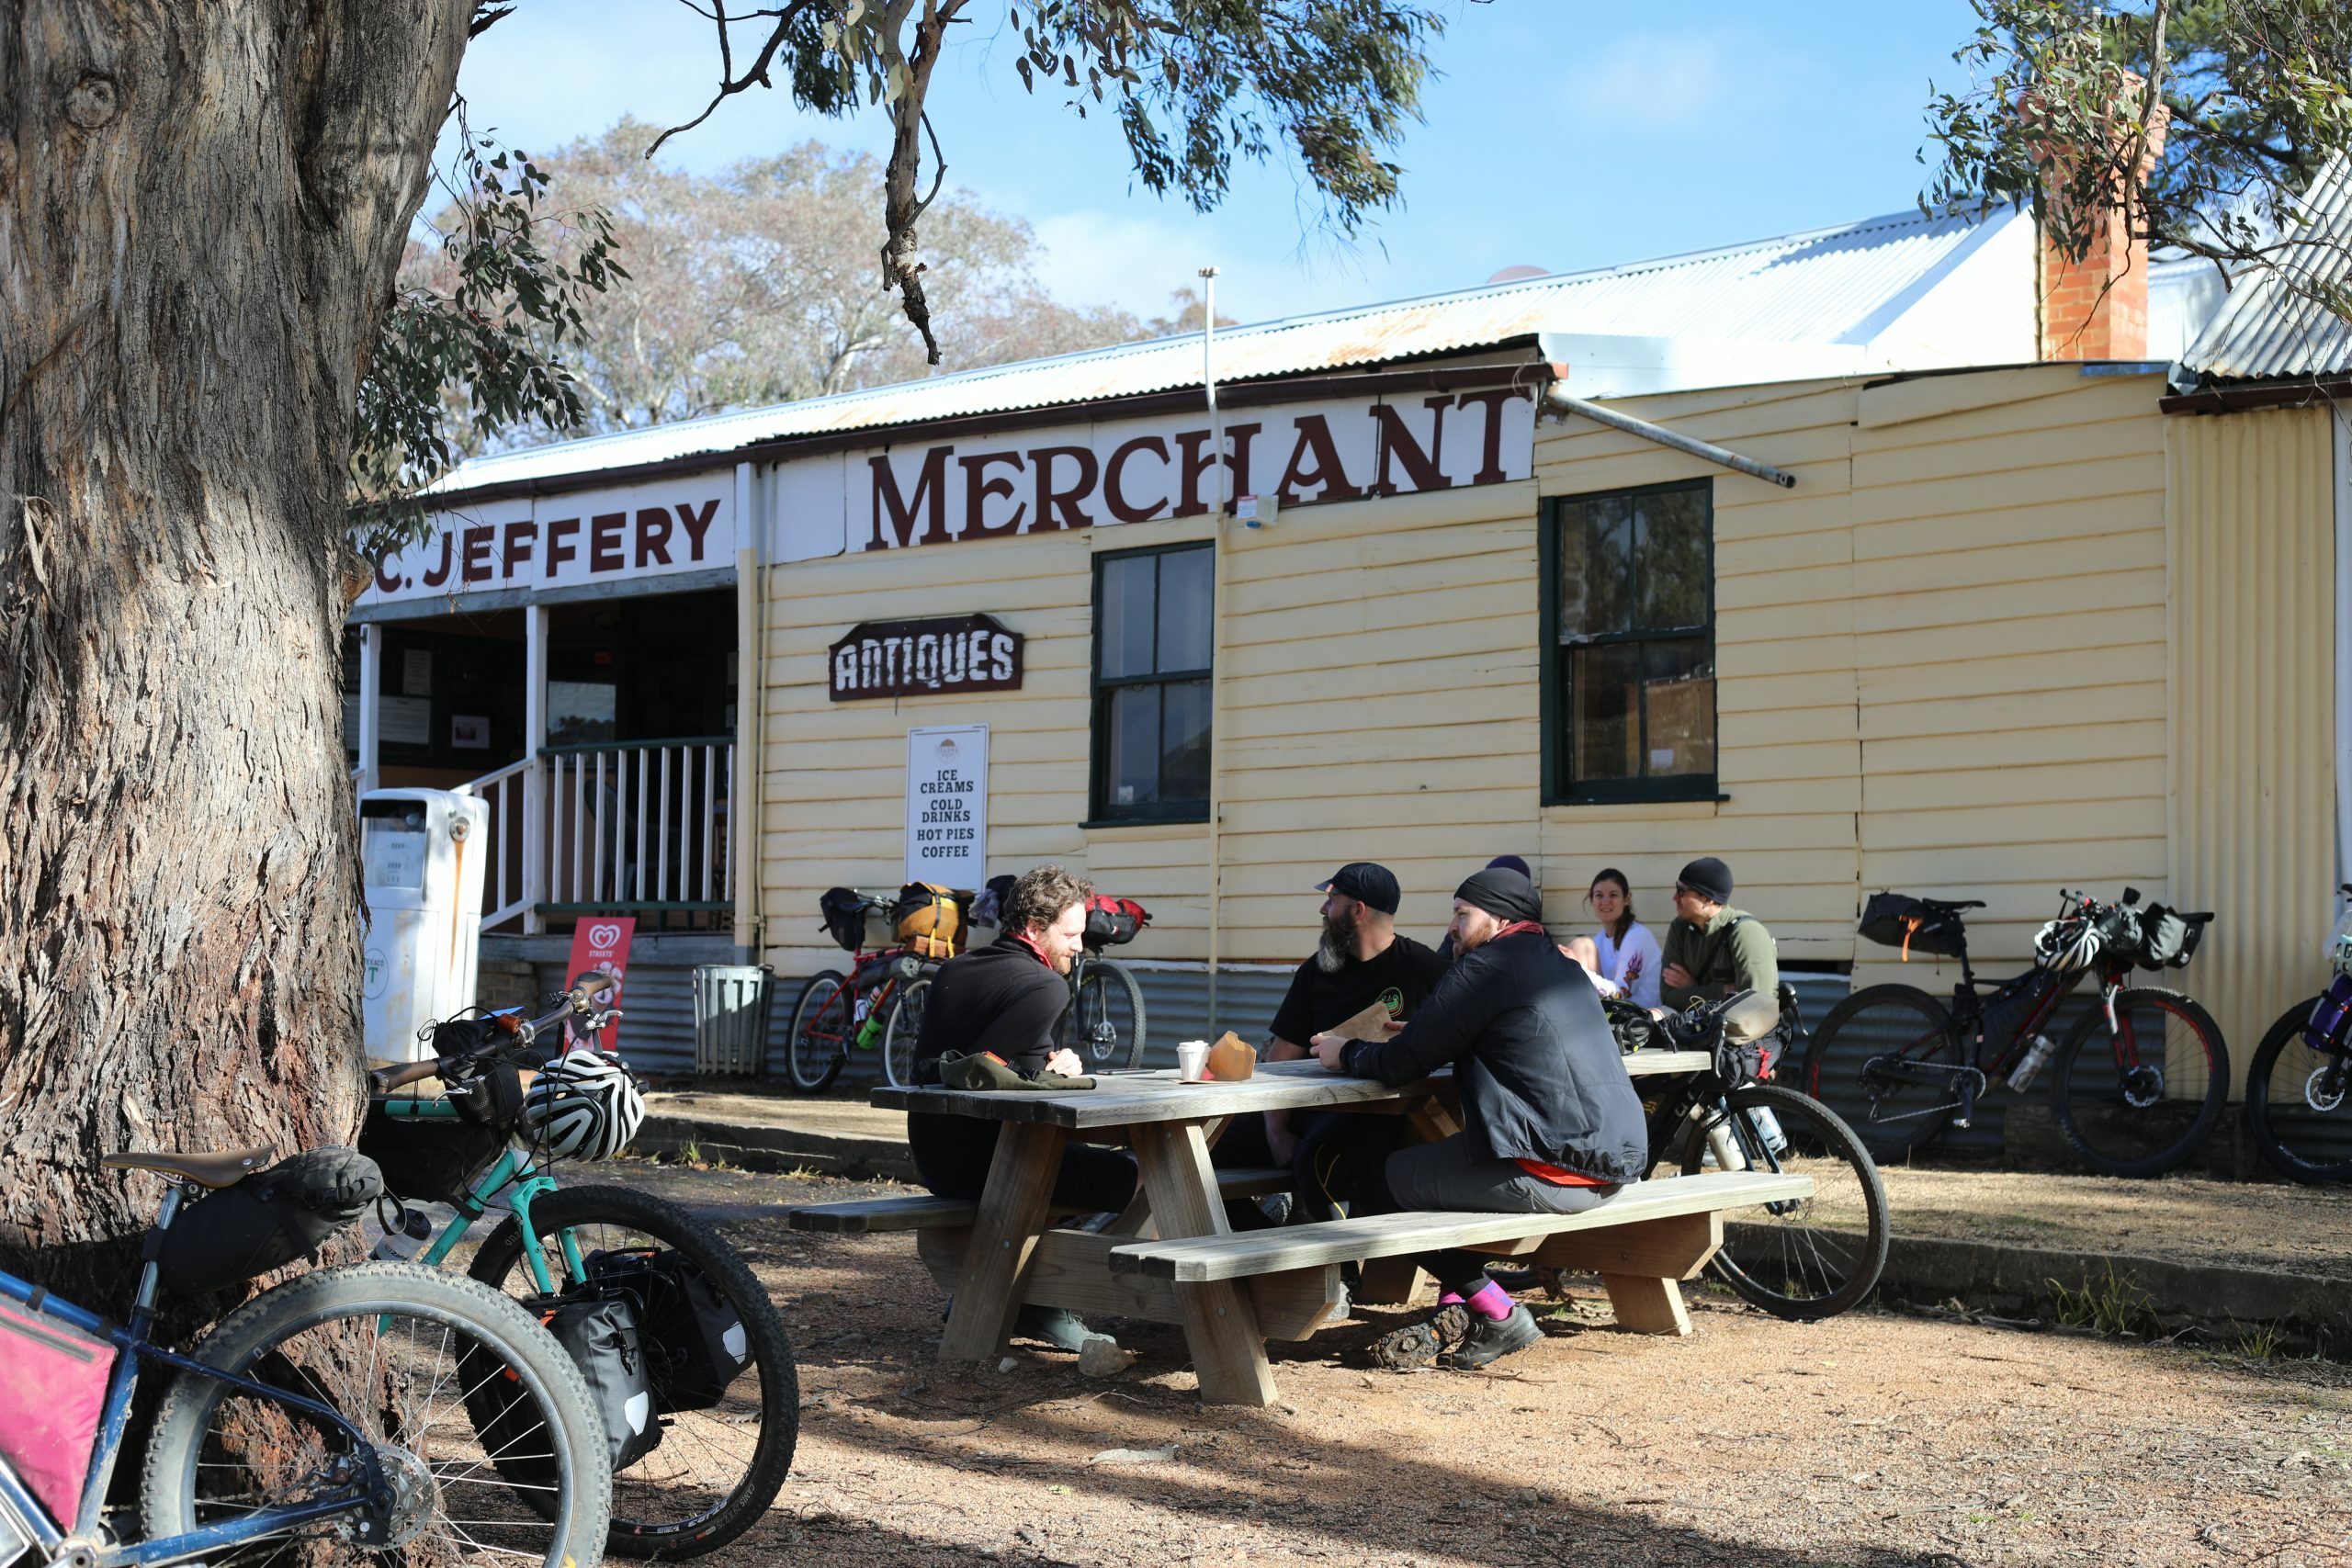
1628,952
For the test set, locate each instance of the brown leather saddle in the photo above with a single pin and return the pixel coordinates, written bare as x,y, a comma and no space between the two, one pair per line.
225,1168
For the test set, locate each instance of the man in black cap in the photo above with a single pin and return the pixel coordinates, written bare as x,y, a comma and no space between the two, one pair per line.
1550,1122
1712,949
1360,961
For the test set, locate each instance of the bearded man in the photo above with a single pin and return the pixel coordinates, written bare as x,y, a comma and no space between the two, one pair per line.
1360,961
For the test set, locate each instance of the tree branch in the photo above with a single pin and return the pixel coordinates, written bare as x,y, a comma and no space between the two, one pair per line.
757,76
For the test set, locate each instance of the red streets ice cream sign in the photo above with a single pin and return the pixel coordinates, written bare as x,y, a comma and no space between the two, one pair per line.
652,530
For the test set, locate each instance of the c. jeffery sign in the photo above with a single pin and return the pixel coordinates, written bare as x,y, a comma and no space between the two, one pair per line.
652,530
1066,476
913,658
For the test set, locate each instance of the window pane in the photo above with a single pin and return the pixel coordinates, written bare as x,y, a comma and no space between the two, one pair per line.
1672,561
1132,776
1185,776
1604,687
1596,543
1186,584
1127,614
1680,699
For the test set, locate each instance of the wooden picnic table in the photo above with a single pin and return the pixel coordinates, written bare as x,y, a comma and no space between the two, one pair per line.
1009,1254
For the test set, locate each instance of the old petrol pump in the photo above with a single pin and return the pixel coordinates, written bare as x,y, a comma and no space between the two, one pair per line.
420,858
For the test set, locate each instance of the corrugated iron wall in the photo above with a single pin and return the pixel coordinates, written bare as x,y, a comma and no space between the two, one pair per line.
2251,553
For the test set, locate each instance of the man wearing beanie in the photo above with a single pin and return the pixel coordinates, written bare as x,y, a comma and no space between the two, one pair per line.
1550,1122
1712,949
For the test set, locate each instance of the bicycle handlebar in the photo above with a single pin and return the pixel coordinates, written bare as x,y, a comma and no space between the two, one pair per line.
581,1000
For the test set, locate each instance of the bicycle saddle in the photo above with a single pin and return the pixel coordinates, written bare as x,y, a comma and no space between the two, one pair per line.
225,1168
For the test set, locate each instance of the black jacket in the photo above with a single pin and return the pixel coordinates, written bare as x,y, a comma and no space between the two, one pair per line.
1540,1072
1000,997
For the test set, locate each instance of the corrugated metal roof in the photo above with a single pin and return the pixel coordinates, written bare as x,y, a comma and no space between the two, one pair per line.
1827,286
2269,327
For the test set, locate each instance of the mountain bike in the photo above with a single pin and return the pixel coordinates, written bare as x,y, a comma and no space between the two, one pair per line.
344,1409
728,1422
1805,1258
2136,1085
869,1006
2298,1089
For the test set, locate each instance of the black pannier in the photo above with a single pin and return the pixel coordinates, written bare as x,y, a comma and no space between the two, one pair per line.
697,1339
266,1220
600,1333
433,1160
844,911
1897,919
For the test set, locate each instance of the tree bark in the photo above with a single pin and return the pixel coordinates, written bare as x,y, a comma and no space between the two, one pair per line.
201,206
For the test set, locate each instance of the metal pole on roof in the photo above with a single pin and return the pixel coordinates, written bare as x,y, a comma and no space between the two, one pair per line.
1217,620
1560,401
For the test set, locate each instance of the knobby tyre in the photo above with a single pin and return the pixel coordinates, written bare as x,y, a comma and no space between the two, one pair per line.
717,1466
817,1043
901,1032
1804,1258
2299,1104
1105,1022
2142,1101
1846,1068
407,1354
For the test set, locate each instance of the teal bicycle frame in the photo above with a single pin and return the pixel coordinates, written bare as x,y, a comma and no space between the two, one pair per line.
513,1174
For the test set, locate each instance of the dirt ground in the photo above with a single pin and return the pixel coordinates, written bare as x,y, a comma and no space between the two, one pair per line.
1872,1440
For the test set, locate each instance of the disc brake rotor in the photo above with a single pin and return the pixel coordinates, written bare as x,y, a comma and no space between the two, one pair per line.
2322,1095
2143,1086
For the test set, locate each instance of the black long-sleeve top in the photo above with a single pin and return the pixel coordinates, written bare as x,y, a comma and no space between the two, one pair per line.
1001,998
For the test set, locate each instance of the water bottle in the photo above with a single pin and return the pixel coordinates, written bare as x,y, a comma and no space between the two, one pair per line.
2036,1055
869,1027
403,1237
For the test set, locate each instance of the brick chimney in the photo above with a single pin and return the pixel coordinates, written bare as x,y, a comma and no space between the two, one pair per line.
2097,307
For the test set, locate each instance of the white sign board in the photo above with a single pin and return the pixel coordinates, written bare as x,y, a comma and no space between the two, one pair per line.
563,541
948,805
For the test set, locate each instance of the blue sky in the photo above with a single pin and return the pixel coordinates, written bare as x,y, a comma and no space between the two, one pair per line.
1565,134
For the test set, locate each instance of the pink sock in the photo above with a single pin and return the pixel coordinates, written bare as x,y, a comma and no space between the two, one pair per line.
1489,1301
1451,1298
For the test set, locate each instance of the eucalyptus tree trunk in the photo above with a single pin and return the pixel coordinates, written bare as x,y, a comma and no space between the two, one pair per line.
201,206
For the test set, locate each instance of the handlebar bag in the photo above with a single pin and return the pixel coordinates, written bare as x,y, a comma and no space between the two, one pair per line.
431,1159
696,1342
52,1391
1632,1024
1112,922
599,1330
266,1220
1897,919
929,919
2167,941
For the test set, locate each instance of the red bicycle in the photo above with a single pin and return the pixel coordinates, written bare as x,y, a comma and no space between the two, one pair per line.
878,1005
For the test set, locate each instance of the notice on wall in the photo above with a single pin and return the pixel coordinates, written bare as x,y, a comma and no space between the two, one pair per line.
601,941
948,805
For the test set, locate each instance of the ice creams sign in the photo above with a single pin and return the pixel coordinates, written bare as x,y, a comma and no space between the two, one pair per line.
948,805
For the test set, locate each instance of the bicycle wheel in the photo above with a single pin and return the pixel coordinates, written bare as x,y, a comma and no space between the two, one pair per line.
901,1032
1846,1067
721,1459
2299,1102
1106,1022
2139,1102
817,1043
382,1344
1804,1258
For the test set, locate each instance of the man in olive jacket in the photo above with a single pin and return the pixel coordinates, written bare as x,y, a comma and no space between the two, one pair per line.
1551,1123
1713,950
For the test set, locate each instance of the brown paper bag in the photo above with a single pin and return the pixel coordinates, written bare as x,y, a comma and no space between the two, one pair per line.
1232,1059
1370,1024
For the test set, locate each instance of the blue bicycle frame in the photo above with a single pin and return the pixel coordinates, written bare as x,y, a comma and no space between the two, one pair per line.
513,1174
133,1346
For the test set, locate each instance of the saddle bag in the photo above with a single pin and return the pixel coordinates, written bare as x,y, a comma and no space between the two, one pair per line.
1112,922
696,1342
844,911
599,1330
433,1160
266,1220
52,1393
1897,919
930,920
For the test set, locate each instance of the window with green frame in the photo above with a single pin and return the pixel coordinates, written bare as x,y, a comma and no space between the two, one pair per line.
1629,624
1152,629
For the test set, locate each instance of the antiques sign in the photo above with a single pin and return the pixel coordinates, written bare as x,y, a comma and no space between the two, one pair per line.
914,658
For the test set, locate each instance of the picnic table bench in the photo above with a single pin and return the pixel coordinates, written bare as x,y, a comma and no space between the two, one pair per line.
1172,1259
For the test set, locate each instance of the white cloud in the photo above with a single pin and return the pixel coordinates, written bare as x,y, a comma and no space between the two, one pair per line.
1675,83
1136,261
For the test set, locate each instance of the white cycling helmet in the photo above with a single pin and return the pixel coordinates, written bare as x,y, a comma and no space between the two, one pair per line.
584,1105
2066,945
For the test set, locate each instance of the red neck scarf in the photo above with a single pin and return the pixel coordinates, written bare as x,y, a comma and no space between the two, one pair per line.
1034,950
1516,926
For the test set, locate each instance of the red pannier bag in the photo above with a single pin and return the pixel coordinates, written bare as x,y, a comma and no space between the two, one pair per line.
1111,922
52,1392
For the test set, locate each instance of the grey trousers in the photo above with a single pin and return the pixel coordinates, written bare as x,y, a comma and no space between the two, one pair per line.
1447,1175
